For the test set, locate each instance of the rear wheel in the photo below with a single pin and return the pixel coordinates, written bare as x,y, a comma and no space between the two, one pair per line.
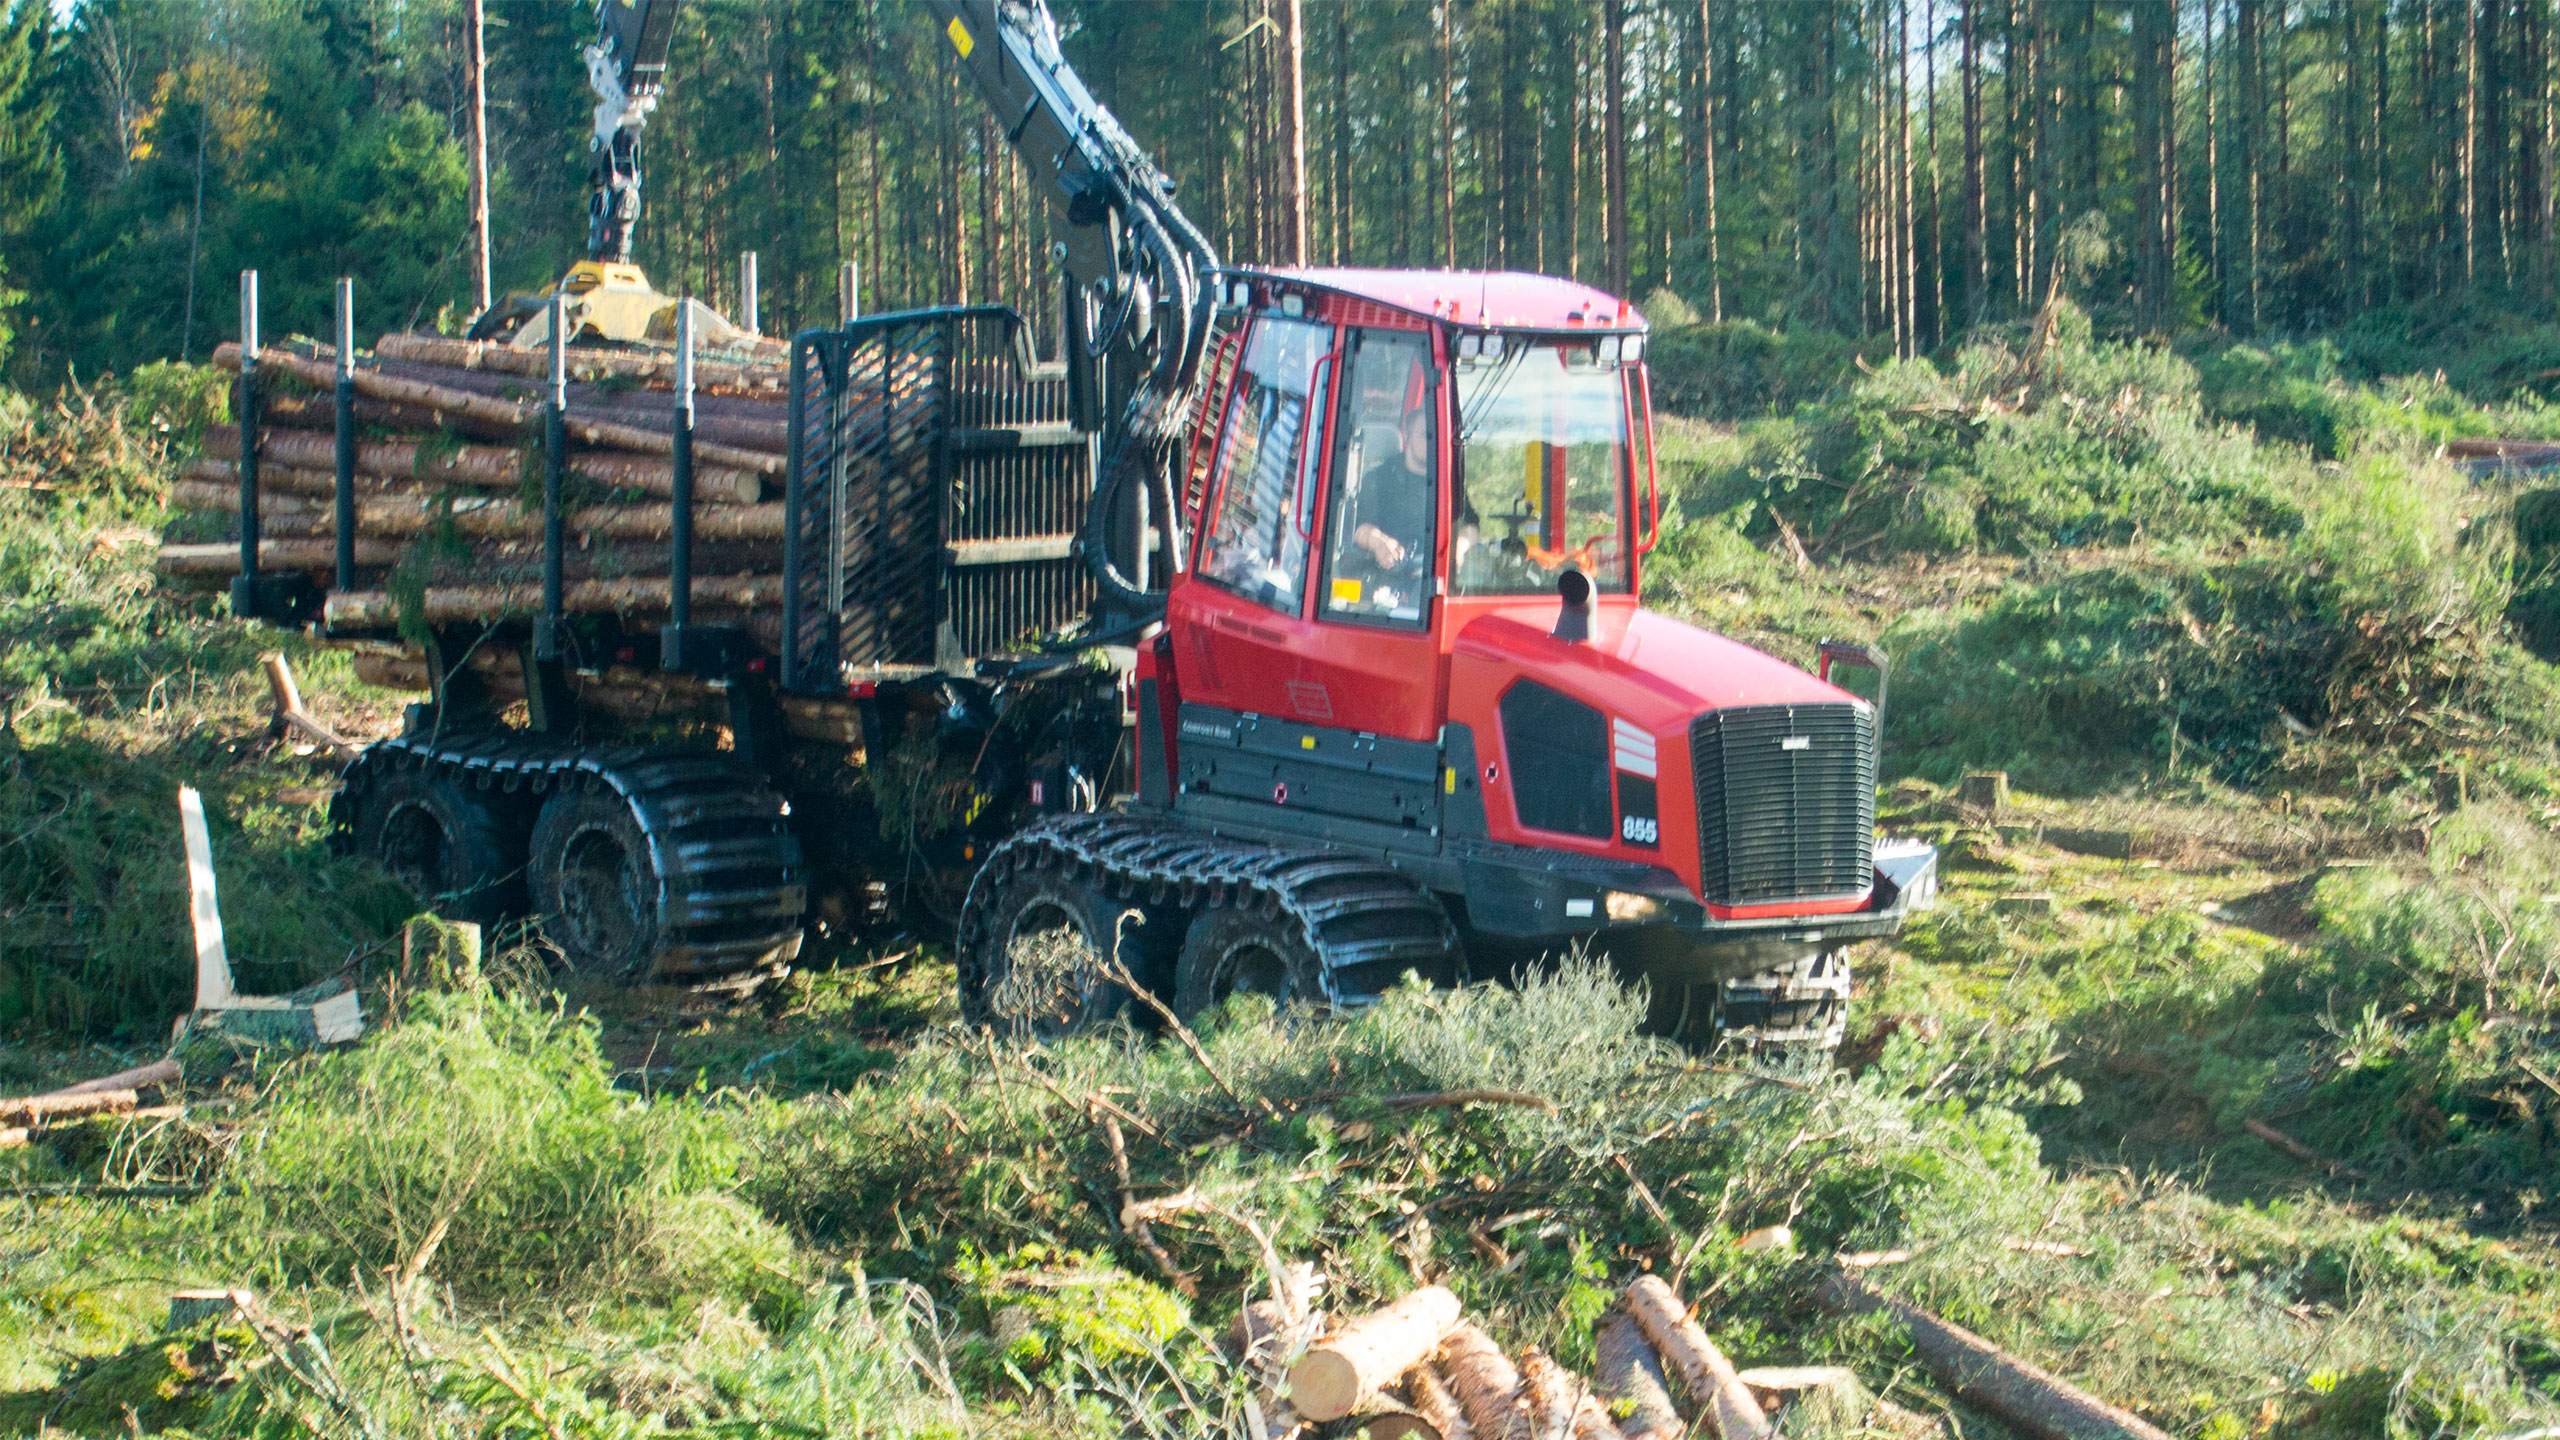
673,866
445,843
600,895
1040,970
1243,950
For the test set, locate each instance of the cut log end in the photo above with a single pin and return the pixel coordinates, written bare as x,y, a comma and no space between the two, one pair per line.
1366,1355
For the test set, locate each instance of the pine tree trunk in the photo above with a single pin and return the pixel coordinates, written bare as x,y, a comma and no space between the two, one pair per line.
1906,230
476,143
1937,209
1448,137
1977,216
1707,155
1292,80
1342,135
1613,90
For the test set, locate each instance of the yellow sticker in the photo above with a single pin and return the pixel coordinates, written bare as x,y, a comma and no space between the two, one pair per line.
1346,592
1537,452
1306,742
960,40
1449,782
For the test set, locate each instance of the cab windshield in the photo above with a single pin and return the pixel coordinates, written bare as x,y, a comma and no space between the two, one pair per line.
1543,449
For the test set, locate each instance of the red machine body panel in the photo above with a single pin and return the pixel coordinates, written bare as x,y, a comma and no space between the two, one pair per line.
1646,669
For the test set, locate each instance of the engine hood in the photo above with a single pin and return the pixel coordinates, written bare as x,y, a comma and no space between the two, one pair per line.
1655,671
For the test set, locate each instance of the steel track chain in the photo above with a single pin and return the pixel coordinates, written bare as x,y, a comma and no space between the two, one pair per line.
1367,922
717,833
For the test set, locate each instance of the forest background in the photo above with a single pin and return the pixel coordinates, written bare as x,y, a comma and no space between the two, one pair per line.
1900,169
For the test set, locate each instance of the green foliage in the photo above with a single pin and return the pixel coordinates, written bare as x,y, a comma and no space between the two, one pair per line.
2028,441
1743,367
116,692
175,403
31,163
1039,1305
494,1121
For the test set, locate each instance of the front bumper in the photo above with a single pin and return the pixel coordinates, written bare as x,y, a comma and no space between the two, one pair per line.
1530,894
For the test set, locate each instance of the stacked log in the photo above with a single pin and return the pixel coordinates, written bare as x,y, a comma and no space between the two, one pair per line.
449,470
1419,1369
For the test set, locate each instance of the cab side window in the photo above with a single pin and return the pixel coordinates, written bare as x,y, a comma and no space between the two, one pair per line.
1379,546
1256,543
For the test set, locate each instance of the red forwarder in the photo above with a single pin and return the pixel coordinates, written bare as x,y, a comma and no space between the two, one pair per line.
1346,671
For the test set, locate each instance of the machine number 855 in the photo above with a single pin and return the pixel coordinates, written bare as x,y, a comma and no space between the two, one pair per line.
1640,830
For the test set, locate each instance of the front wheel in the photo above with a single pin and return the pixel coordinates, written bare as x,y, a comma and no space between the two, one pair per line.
1798,1011
1039,970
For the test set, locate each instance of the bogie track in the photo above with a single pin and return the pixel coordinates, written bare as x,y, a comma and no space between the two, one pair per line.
695,851
1340,929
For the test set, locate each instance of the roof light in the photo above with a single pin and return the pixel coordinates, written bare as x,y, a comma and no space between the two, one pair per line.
1609,350
1469,346
1293,305
1633,348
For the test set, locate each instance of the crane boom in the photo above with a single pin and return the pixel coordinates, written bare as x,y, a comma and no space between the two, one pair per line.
626,66
1129,250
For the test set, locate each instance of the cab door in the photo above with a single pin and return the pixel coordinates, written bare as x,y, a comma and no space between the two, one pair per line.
1239,613
1372,655
1286,613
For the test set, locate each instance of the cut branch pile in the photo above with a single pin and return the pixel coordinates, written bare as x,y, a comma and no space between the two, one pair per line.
448,477
1419,1368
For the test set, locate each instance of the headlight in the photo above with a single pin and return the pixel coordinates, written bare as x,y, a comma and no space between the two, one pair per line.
1629,908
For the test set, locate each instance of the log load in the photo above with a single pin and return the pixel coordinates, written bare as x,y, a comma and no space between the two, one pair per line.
223,557
485,467
392,515
1366,1355
447,464
462,604
519,417
766,373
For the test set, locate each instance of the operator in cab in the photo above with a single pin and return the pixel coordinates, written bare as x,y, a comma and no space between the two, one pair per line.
1384,571
1394,510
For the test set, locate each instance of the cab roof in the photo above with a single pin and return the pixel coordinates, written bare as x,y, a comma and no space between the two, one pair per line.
1492,299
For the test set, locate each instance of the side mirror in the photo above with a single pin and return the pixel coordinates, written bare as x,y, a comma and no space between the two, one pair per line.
1861,657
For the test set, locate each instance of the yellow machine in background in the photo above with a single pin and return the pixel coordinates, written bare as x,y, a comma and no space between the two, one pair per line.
609,301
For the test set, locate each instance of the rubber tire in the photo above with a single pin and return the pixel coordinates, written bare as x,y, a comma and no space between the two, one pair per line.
1037,900
596,887
1233,949
444,842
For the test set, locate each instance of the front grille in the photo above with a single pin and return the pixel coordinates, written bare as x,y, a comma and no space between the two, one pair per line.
1779,823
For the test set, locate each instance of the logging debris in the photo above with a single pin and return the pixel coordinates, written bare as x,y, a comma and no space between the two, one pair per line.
2028,1398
